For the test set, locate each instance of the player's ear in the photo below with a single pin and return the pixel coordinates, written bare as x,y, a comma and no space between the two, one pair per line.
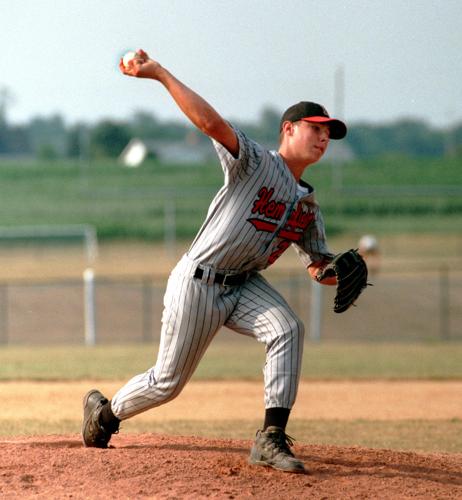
287,126
287,129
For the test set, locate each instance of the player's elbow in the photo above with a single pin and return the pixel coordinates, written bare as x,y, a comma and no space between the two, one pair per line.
222,132
211,124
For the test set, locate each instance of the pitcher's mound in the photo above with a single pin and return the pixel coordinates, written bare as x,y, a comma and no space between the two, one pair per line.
141,466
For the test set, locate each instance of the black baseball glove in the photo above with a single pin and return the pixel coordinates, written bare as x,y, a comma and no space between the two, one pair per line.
350,270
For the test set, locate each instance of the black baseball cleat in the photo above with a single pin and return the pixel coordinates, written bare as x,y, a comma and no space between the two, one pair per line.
94,433
272,449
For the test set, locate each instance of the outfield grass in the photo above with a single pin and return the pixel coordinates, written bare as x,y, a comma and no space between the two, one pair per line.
395,194
238,359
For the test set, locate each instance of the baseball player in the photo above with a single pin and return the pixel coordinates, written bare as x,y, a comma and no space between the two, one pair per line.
262,208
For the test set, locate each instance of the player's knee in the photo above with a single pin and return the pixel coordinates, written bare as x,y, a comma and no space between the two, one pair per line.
297,329
292,331
173,392
168,387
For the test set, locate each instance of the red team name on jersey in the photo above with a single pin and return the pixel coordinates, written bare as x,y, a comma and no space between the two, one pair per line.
300,218
268,207
298,221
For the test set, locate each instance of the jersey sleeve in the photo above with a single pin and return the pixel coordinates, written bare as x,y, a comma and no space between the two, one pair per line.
313,246
248,160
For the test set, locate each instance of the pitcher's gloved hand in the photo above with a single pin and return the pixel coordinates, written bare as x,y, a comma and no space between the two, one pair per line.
351,272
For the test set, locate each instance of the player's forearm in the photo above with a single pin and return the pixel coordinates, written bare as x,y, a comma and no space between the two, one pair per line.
195,108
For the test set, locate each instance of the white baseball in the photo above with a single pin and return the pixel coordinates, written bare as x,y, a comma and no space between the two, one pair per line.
128,57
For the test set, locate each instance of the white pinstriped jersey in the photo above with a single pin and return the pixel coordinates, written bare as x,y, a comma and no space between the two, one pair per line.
258,213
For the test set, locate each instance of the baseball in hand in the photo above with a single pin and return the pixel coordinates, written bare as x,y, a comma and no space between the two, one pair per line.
128,57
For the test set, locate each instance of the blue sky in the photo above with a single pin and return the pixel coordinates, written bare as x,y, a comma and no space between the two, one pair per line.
399,58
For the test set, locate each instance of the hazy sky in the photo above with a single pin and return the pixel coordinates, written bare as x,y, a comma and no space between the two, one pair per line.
400,57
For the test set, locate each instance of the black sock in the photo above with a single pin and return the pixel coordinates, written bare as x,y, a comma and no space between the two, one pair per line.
107,417
276,417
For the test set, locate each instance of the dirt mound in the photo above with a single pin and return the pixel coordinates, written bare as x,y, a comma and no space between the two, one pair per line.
154,466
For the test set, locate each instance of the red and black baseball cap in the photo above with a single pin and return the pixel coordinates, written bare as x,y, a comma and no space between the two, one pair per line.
314,113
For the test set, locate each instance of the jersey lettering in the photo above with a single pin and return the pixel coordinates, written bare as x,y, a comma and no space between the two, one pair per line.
300,219
268,207
292,231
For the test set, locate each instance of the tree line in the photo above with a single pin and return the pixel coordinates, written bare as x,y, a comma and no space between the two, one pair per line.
52,138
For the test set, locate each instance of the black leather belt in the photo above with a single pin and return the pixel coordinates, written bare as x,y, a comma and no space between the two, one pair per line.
224,279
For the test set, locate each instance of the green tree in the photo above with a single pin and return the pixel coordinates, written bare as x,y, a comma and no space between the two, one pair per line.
78,137
46,152
14,140
454,140
108,138
269,124
145,125
48,132
406,136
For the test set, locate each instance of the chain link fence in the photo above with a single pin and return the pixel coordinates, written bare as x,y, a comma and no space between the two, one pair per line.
410,306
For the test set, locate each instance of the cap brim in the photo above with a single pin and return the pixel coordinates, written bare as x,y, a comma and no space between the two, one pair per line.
338,129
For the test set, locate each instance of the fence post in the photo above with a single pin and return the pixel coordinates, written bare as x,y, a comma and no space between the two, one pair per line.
444,303
89,306
4,334
316,311
147,310
294,290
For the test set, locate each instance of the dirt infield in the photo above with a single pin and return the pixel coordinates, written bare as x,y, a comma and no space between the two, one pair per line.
238,399
154,466
172,466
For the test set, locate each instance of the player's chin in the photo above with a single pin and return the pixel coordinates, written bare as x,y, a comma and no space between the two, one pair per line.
315,155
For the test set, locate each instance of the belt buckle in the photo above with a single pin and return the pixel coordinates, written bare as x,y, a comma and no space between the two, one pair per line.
226,276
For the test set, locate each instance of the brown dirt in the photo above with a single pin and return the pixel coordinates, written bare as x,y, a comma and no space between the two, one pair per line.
210,400
155,466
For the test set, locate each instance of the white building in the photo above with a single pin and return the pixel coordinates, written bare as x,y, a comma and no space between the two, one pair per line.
189,151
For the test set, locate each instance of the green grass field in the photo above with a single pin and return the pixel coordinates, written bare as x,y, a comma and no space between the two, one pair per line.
386,195
238,359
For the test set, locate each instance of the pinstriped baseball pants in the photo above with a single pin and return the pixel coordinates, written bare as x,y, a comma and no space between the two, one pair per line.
194,311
